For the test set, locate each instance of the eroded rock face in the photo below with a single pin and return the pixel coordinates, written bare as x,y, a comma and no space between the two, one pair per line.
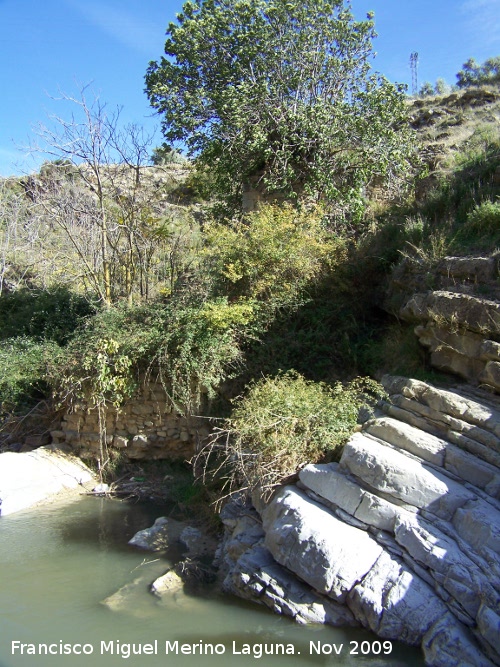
251,572
403,533
455,305
29,478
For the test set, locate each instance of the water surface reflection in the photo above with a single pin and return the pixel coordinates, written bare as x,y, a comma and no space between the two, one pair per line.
58,563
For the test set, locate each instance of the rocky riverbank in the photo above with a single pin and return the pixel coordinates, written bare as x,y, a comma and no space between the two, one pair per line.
402,536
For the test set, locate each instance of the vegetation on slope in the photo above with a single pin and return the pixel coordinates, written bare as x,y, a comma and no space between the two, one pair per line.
111,270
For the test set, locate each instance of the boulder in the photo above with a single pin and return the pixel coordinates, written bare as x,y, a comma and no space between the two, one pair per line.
163,534
323,551
394,603
478,523
411,439
197,542
168,584
453,570
251,573
257,577
330,484
456,309
448,644
445,401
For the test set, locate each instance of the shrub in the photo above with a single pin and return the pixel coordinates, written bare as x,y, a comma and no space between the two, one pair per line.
51,314
481,230
269,256
283,423
484,219
23,373
190,346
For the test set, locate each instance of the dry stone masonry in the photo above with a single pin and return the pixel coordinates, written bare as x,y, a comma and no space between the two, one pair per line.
145,427
402,536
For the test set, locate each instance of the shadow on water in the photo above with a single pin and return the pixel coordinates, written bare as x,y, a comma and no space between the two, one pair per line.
109,523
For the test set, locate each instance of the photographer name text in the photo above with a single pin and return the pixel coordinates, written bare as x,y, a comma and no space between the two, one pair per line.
175,647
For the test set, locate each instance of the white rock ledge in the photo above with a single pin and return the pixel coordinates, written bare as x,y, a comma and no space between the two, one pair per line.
29,478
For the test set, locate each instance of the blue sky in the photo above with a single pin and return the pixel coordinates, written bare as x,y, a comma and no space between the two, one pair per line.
58,45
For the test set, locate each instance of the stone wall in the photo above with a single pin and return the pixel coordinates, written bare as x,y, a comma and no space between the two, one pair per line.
145,427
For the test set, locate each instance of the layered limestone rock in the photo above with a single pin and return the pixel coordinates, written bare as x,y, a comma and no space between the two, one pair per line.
455,305
164,533
250,572
403,533
29,478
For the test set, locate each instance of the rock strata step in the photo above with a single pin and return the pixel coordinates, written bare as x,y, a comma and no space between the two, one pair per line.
403,532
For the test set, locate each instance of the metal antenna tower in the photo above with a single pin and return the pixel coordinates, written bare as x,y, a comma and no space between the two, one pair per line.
414,68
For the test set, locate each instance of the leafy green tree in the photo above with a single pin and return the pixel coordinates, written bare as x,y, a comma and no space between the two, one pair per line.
426,89
474,74
165,154
279,95
441,87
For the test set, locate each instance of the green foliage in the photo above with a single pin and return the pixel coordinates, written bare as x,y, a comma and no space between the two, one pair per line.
199,349
51,314
33,324
426,89
194,338
469,182
284,422
474,74
189,345
102,361
165,154
396,350
481,228
278,94
439,88
197,188
485,218
270,256
23,373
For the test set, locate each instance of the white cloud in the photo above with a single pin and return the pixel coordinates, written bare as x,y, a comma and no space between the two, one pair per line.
125,27
483,20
